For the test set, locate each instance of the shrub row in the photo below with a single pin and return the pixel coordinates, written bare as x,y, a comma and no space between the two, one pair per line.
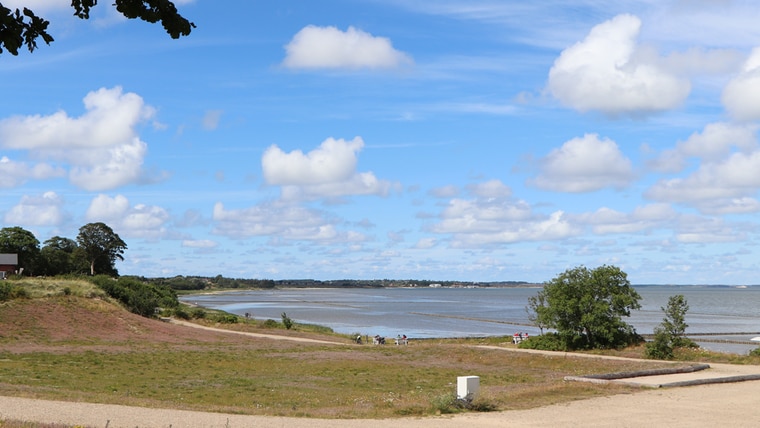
9,291
137,296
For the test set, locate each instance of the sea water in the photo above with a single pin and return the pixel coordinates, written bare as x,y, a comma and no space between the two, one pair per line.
718,317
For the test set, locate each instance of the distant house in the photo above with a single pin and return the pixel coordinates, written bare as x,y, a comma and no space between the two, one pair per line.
8,264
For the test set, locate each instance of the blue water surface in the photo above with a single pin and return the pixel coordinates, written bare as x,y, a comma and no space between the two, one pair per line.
425,312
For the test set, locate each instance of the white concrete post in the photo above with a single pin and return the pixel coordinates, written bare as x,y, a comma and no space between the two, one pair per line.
468,387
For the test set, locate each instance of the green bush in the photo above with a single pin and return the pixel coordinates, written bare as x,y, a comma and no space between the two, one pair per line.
755,352
671,333
450,403
684,342
9,291
446,404
546,342
270,323
181,313
286,321
198,313
226,318
137,296
661,348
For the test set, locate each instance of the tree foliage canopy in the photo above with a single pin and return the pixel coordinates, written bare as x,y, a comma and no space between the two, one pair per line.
586,307
17,240
671,333
95,251
674,322
23,28
101,247
60,256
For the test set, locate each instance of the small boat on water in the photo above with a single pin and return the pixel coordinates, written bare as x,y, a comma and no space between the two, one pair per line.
755,339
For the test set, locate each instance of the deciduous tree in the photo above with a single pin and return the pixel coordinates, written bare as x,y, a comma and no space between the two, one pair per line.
671,333
674,322
20,28
101,247
58,256
535,304
586,307
17,240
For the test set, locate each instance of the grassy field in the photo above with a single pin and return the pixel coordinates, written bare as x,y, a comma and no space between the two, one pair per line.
76,345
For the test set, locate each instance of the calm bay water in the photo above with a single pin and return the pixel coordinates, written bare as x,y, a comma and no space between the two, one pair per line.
477,312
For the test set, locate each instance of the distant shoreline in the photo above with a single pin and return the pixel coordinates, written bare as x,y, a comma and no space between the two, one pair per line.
222,290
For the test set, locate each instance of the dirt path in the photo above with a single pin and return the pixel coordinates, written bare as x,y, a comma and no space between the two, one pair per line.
733,404
260,335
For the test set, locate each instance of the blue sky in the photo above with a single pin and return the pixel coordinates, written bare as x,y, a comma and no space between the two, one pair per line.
448,140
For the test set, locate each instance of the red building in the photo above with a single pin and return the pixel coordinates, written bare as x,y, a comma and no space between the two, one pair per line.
8,264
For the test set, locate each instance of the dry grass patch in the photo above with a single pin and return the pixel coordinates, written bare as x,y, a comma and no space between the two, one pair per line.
293,379
48,287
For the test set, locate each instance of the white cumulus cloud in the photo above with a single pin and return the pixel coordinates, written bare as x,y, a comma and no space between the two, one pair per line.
44,210
490,189
700,230
330,48
327,171
712,144
333,161
583,165
602,73
741,96
117,166
104,208
642,219
279,221
101,147
726,186
139,221
13,174
492,217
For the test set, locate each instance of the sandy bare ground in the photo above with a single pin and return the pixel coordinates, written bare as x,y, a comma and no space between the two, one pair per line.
731,404
723,404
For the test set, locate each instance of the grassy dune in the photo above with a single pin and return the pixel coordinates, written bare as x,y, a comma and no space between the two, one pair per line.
76,345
